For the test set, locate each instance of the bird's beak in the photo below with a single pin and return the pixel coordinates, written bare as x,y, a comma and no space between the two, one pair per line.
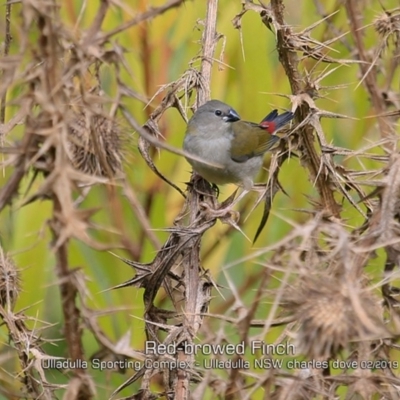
232,116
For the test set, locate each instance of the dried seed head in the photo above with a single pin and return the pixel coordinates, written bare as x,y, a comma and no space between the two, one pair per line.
9,281
95,144
330,315
388,25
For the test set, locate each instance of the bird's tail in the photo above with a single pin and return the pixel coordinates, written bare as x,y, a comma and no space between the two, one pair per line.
270,117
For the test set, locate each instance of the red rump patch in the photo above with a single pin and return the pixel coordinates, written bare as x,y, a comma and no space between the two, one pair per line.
273,121
269,126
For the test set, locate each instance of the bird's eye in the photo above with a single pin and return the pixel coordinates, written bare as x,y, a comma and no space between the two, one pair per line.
218,112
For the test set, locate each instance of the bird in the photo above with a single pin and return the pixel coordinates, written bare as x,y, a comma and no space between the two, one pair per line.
234,147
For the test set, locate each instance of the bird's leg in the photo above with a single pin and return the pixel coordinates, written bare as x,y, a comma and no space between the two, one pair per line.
247,186
240,197
257,187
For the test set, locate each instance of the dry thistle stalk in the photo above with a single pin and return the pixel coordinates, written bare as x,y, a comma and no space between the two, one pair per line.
9,281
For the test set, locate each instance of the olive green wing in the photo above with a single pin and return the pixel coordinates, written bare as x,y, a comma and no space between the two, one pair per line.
250,140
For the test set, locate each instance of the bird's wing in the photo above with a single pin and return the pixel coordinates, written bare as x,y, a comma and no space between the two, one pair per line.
250,140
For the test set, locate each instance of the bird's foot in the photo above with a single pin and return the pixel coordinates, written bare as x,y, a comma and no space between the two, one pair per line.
223,210
203,187
215,188
224,213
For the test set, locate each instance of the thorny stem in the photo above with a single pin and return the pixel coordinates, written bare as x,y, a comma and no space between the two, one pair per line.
72,328
7,43
289,60
98,21
192,273
210,38
71,313
68,290
370,80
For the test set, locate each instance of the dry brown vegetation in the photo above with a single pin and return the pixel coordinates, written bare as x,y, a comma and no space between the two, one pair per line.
327,286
